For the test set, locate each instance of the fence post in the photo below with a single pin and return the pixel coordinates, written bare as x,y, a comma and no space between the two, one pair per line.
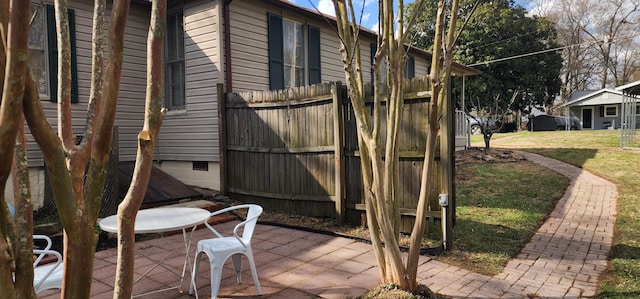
222,133
446,165
338,133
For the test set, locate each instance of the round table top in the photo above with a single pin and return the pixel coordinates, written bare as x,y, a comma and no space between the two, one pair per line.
158,220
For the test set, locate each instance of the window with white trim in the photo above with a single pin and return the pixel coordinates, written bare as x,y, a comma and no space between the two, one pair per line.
174,65
294,53
38,51
611,111
293,48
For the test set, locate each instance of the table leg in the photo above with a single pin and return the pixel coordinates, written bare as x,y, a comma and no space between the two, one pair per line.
186,237
187,259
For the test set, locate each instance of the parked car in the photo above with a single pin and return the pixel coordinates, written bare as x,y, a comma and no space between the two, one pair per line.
475,124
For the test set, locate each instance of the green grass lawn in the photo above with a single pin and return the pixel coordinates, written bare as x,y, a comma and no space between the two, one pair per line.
599,153
499,208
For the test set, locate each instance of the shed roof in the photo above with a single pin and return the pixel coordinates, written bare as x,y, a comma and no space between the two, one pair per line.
601,97
631,88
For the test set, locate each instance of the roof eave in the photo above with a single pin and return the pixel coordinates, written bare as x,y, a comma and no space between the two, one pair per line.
573,103
632,88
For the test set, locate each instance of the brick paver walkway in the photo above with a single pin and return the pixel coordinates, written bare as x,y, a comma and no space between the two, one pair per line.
563,260
565,257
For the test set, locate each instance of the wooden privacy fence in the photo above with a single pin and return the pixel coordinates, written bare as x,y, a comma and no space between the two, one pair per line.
296,150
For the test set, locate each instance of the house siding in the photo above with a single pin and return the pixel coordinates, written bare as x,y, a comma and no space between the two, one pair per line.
131,98
192,134
132,88
597,102
130,110
249,47
599,119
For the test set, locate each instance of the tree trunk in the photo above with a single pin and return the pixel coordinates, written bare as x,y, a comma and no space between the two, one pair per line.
24,218
79,249
128,209
380,171
487,145
78,201
15,236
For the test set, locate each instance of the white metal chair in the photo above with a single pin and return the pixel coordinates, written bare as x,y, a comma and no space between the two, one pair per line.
219,249
47,276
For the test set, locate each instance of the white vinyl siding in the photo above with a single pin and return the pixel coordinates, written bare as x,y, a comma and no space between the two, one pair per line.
249,46
332,69
421,66
130,111
192,134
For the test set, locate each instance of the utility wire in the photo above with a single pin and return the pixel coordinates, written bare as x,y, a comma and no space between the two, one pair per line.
544,51
529,54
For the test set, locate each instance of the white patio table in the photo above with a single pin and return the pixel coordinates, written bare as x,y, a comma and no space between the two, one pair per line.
161,220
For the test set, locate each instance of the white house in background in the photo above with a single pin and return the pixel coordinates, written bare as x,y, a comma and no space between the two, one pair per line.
597,110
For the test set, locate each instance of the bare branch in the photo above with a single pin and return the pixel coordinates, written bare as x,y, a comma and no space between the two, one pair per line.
65,129
97,73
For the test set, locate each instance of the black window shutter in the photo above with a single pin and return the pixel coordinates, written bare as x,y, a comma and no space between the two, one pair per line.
411,67
53,54
314,55
374,48
276,52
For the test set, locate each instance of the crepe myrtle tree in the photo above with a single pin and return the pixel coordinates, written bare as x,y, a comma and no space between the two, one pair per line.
491,117
153,116
379,156
77,199
15,236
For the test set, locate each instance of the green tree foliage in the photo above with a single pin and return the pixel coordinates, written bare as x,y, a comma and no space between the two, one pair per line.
497,30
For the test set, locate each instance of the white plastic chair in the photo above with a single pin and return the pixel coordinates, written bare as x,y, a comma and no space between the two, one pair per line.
219,249
48,276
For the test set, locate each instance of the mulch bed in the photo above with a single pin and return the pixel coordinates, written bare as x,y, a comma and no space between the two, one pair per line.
477,155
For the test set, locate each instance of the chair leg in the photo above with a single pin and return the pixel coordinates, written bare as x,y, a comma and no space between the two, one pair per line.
196,265
254,272
216,275
237,265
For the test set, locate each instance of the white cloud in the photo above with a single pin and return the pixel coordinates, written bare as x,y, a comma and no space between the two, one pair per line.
374,27
326,7
365,17
542,7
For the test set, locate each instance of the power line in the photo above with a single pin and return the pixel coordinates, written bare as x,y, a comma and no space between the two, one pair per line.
547,50
529,54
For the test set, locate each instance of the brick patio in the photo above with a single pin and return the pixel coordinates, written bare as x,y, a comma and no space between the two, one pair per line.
563,260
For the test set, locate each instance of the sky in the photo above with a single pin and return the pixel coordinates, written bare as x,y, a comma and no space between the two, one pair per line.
370,12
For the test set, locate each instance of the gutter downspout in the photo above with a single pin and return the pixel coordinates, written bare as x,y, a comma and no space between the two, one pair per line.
227,46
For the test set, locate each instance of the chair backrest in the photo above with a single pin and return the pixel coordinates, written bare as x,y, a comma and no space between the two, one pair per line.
51,273
253,213
249,224
42,252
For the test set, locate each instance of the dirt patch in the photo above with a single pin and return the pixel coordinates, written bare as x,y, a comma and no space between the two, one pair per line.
471,155
477,155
